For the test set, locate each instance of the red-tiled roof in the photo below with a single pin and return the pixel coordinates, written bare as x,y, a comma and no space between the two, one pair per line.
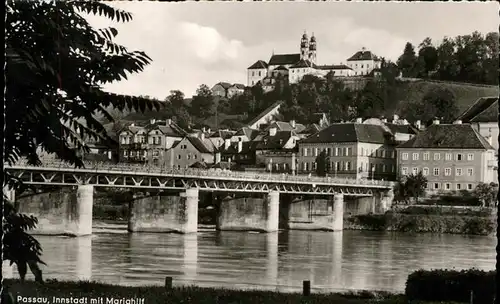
448,136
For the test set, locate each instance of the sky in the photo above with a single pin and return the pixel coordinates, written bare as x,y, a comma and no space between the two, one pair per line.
194,43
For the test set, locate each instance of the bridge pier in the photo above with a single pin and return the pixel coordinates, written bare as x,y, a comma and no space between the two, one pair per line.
165,213
61,212
250,214
317,214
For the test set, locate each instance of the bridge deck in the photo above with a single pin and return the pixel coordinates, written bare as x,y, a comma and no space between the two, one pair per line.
148,177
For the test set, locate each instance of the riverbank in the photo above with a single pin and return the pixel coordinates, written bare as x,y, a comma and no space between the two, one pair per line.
426,219
186,295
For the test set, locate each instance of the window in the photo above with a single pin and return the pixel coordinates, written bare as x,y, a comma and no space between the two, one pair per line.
447,186
447,156
383,153
404,171
459,186
259,73
437,156
436,171
426,156
156,153
384,168
347,151
304,151
415,156
188,156
179,156
469,186
458,171
470,156
132,153
195,156
425,172
404,156
315,151
415,170
125,153
459,156
253,74
447,172
470,171
178,167
436,185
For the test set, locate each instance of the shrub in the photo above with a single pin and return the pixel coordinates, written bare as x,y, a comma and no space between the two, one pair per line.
451,285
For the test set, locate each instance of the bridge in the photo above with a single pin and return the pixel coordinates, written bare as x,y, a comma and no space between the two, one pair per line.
148,178
179,212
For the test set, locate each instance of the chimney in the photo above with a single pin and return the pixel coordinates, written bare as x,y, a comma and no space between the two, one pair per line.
240,146
168,122
384,120
435,121
457,122
359,120
395,118
272,131
418,124
292,123
152,121
227,143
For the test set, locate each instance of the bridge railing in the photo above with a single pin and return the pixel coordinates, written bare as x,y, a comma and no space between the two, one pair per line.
195,172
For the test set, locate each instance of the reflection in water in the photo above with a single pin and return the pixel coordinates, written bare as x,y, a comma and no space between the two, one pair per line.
331,261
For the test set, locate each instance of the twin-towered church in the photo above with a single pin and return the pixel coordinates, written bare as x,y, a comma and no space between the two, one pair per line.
294,66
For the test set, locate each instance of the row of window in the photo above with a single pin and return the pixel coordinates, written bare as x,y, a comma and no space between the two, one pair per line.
437,156
188,156
448,186
347,151
436,171
154,140
135,153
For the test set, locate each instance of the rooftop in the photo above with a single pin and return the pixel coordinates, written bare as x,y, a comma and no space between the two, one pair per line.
283,59
363,55
351,132
448,136
484,109
259,64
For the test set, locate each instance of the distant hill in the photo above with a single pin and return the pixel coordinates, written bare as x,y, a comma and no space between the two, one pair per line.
413,91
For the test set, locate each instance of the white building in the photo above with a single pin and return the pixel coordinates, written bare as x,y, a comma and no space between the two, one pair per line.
293,67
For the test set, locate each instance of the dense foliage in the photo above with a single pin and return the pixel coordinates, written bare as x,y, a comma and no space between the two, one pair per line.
418,221
468,58
451,285
56,65
410,188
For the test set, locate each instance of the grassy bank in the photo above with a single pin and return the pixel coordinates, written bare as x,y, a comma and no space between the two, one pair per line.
418,219
187,295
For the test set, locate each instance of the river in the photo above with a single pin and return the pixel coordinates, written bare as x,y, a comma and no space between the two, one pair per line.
348,260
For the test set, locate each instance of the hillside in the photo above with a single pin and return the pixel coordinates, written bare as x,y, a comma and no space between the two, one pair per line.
465,94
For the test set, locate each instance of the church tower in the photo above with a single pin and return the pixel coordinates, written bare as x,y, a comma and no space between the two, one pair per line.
312,49
304,47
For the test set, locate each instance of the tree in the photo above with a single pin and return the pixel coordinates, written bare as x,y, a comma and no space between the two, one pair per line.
486,193
410,187
56,64
202,104
176,99
440,103
322,164
407,61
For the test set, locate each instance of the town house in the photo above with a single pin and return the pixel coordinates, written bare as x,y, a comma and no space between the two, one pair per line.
190,150
276,150
451,156
353,150
133,144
